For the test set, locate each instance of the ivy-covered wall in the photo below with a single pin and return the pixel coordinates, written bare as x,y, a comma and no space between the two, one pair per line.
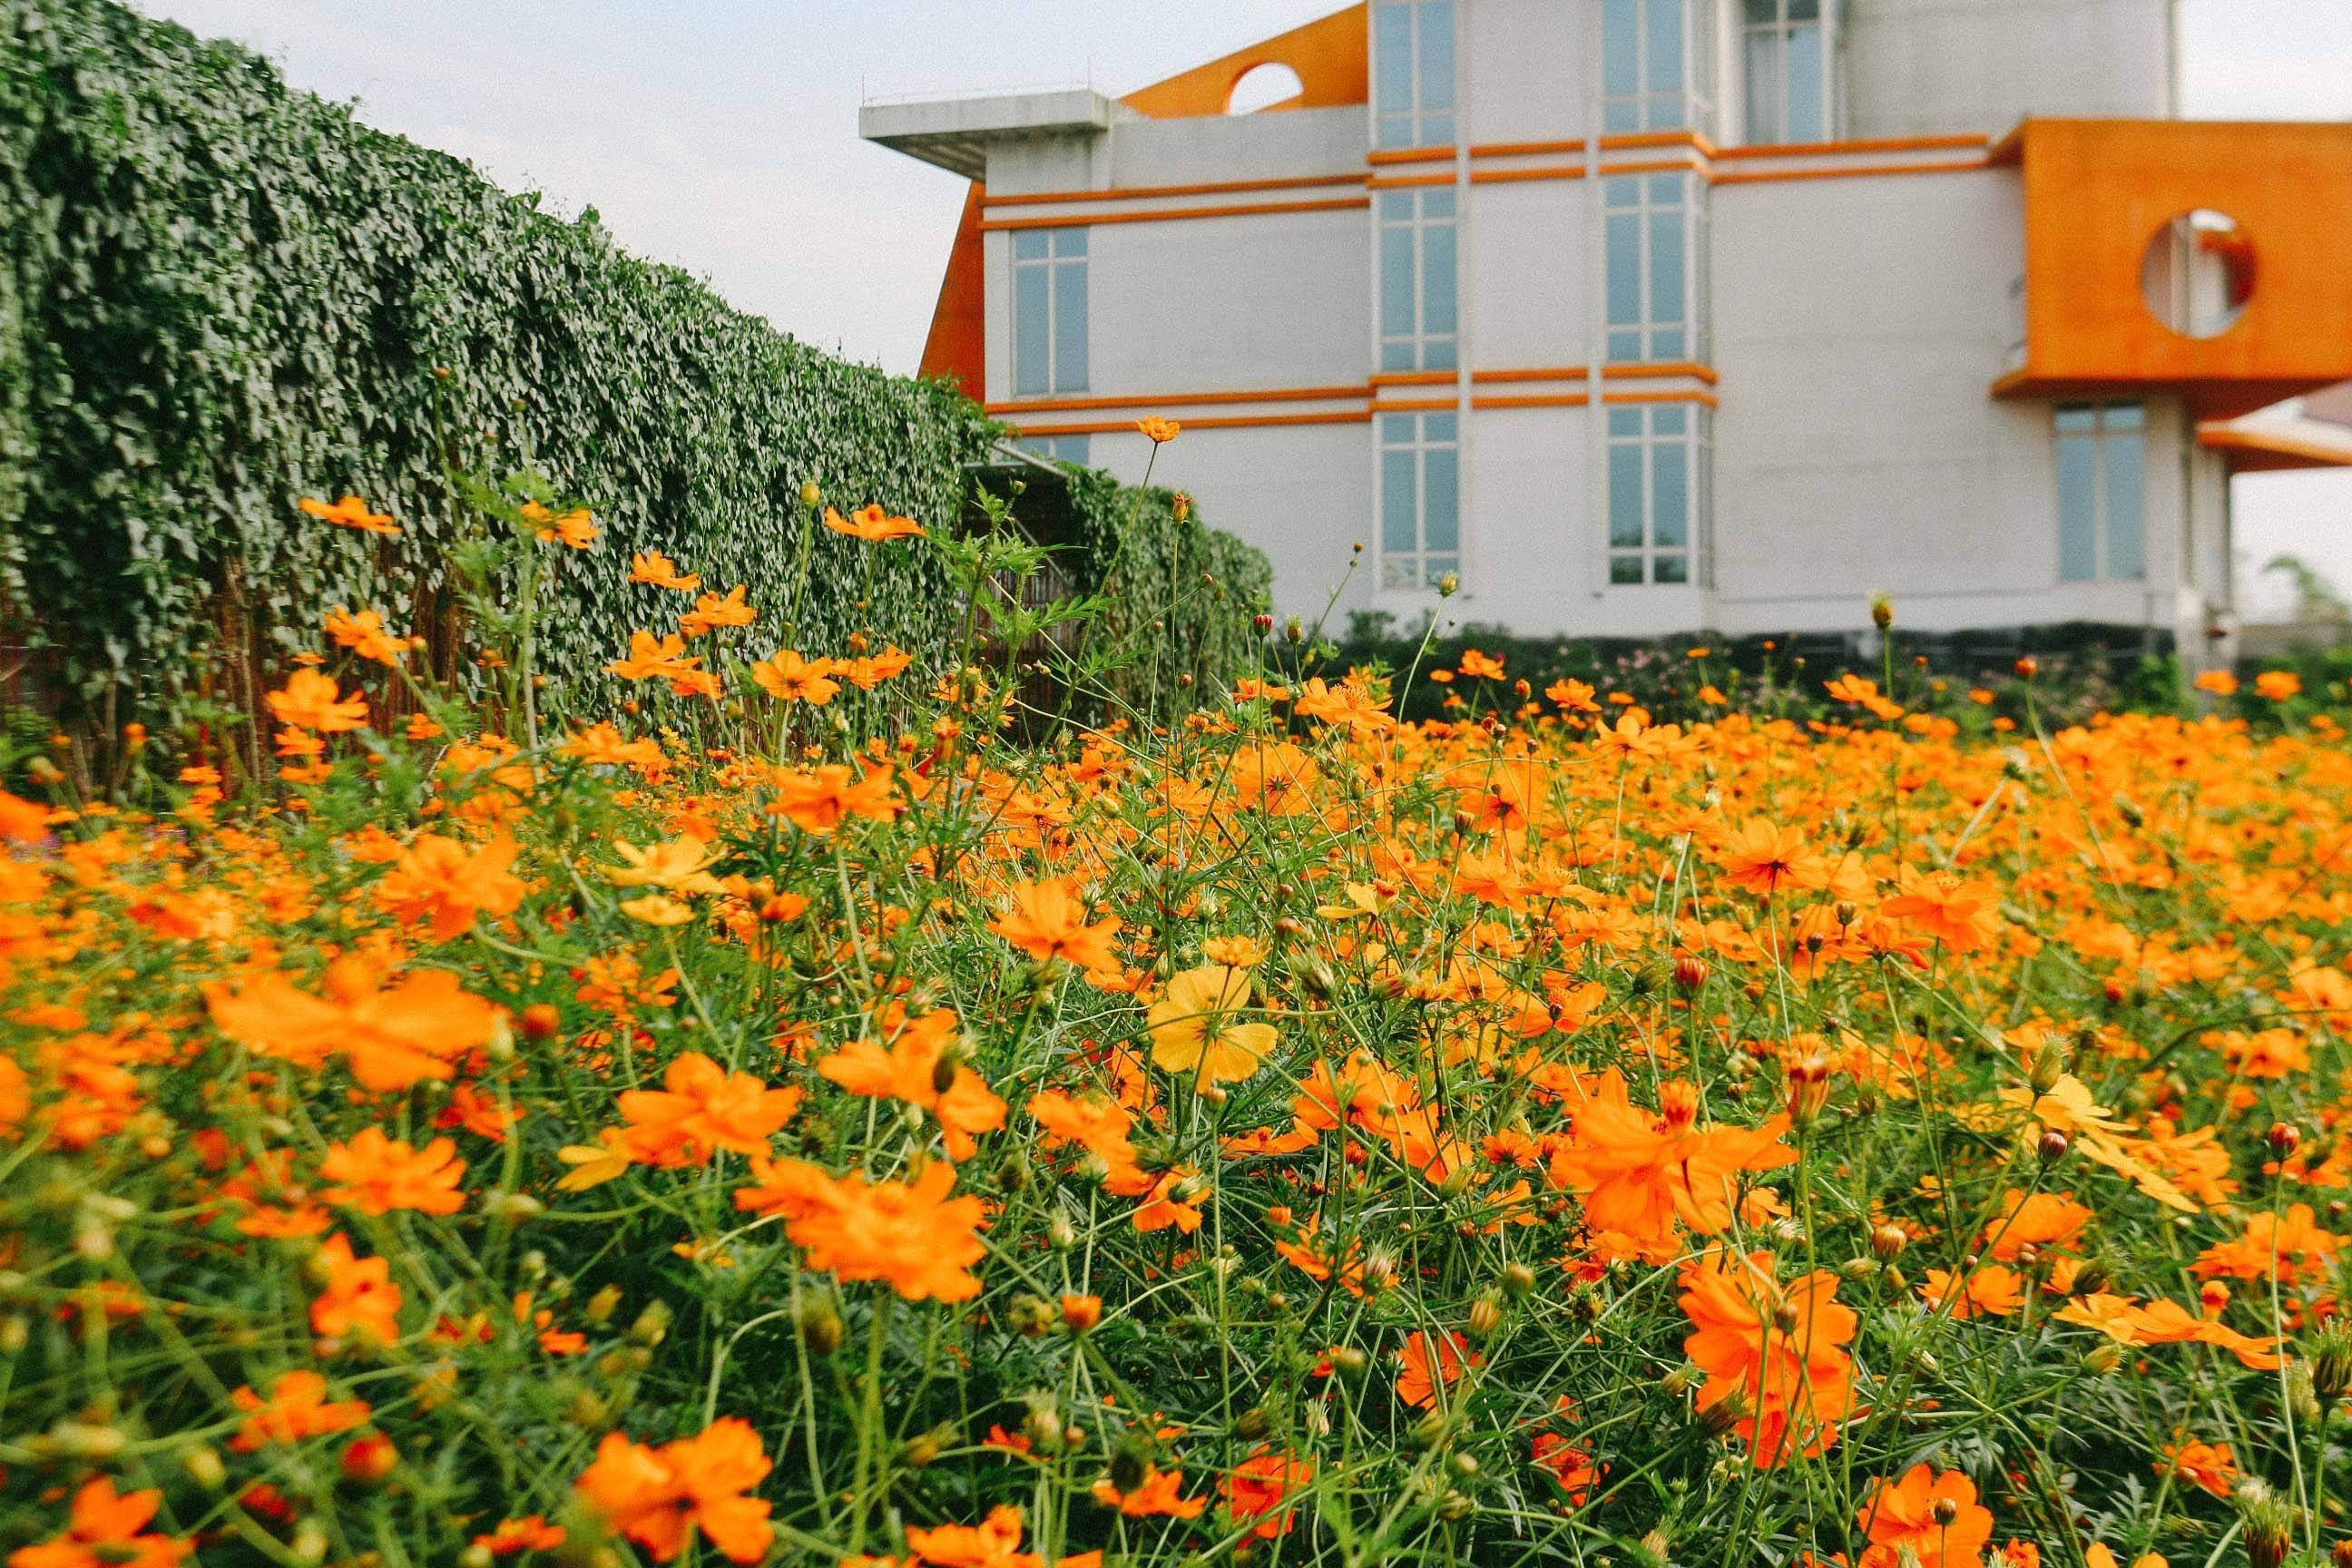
218,295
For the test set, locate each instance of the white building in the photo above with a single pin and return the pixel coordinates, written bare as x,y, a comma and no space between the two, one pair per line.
1656,316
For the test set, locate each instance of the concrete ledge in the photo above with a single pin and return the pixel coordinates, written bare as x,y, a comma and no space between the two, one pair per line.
954,134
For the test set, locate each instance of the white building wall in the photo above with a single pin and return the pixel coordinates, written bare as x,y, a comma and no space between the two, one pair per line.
1917,67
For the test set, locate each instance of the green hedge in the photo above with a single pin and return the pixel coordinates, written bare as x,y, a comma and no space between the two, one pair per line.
218,295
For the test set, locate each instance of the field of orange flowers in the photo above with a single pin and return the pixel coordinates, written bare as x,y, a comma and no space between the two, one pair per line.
784,1120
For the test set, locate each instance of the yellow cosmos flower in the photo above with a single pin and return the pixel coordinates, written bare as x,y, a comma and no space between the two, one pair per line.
657,909
678,865
1191,1029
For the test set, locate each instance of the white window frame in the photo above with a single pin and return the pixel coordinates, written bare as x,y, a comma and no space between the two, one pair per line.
2113,429
1681,197
1646,429
1422,120
1063,263
1770,125
1076,449
1418,435
1689,104
1427,217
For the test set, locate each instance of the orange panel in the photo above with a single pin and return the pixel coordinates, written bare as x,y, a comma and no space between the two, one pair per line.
957,345
2097,191
1332,57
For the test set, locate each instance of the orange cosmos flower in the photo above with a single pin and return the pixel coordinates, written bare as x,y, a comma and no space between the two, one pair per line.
1774,1355
1962,915
702,1109
2220,682
445,884
1764,857
377,1175
573,528
912,1236
653,566
869,672
2278,685
663,658
1192,1029
349,513
529,1533
1935,1517
1156,1493
391,1036
359,1299
788,678
1261,1488
872,523
298,1407
1162,431
365,635
106,1529
658,1497
1638,1174
1994,1291
909,1069
818,801
1418,1380
679,865
711,612
308,701
1048,920
995,1542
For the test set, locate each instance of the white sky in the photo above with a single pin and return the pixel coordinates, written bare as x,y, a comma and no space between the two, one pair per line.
721,136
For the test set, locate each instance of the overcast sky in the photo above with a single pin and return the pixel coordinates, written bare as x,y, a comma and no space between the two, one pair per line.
722,134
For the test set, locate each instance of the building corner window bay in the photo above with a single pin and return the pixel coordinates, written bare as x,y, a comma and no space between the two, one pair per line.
1655,65
1412,73
1655,234
1786,54
2102,460
1420,498
1661,494
1049,310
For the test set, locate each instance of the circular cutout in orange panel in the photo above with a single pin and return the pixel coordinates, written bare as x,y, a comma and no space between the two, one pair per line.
2196,274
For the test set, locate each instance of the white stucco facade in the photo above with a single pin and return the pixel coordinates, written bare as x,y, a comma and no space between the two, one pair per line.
1799,387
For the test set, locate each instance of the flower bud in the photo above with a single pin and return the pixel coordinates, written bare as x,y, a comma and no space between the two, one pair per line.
2053,1146
2103,1359
811,496
1485,1315
1519,1281
1887,1242
1080,1313
821,1327
1881,611
369,1459
2282,1139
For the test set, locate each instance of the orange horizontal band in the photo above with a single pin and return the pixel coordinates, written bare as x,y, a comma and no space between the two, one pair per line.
1766,176
1864,144
1415,406
1395,182
1691,368
1559,373
1213,422
1171,215
1413,378
1408,154
1659,139
1139,193
1177,399
1533,400
1657,166
1706,397
1548,172
1523,149
2221,438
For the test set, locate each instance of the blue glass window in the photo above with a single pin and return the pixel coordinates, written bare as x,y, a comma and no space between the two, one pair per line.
1421,499
1785,55
1049,310
1655,65
1412,73
2102,457
1420,314
1654,234
1660,526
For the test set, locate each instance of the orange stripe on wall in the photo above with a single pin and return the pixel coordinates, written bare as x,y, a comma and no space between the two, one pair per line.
1213,422
1523,149
1768,176
1409,155
1398,182
1177,399
1706,397
1661,368
1413,378
1548,172
1533,400
1659,139
1416,405
1864,144
1558,373
1090,220
1139,193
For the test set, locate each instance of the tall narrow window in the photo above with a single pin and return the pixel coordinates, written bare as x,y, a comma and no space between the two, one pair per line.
1656,58
1787,59
1420,323
1656,241
1421,499
2102,515
1660,494
1049,310
1413,79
